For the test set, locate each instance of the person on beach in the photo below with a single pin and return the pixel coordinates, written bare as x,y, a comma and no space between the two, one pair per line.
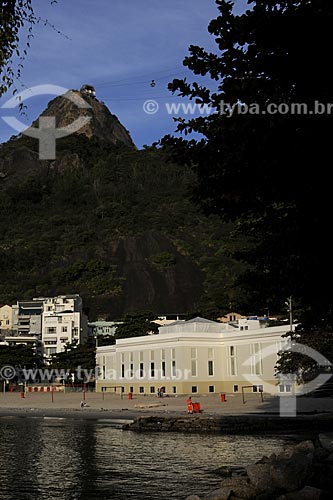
189,405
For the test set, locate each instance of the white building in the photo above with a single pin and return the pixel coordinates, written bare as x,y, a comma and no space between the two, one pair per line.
62,322
196,356
101,328
6,318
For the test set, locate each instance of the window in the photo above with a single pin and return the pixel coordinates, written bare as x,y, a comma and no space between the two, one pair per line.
131,371
122,371
232,362
194,388
256,359
236,388
141,390
211,388
152,370
51,329
131,389
210,368
174,389
64,329
258,388
194,362
152,390
173,366
103,368
163,369
285,388
141,370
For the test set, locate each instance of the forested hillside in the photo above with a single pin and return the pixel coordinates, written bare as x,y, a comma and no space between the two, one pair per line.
112,223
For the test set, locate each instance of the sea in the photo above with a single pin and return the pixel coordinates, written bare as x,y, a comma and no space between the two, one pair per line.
71,459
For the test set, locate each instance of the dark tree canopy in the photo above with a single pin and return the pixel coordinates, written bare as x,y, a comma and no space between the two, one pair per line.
15,15
18,357
137,325
269,173
75,357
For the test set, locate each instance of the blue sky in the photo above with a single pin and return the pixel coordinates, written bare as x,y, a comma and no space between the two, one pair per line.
118,46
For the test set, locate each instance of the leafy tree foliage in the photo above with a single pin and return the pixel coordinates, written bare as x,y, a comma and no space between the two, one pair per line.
19,357
137,325
103,340
75,358
15,15
269,173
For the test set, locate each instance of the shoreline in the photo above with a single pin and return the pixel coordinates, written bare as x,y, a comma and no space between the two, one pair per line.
169,414
149,421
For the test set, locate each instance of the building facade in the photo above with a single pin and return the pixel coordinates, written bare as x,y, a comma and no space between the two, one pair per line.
196,356
27,318
50,321
62,322
6,319
102,328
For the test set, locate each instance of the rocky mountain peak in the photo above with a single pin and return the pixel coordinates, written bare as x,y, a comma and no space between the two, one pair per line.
97,119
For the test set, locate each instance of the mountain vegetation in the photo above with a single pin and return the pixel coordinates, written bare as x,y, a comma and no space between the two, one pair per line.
113,223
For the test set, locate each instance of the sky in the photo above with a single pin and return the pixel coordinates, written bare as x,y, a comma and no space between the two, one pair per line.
119,47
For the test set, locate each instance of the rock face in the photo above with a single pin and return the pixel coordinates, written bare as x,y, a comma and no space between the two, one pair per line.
173,288
102,123
301,472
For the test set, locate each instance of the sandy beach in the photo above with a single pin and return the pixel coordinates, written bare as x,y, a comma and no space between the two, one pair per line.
116,407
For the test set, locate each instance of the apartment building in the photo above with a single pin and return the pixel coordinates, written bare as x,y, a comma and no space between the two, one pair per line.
63,321
6,319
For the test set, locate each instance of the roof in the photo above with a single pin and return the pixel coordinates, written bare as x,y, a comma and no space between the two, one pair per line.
199,325
200,320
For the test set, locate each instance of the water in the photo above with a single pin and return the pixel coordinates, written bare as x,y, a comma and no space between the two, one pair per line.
50,459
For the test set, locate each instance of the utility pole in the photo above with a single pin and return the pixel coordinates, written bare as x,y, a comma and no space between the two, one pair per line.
288,303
